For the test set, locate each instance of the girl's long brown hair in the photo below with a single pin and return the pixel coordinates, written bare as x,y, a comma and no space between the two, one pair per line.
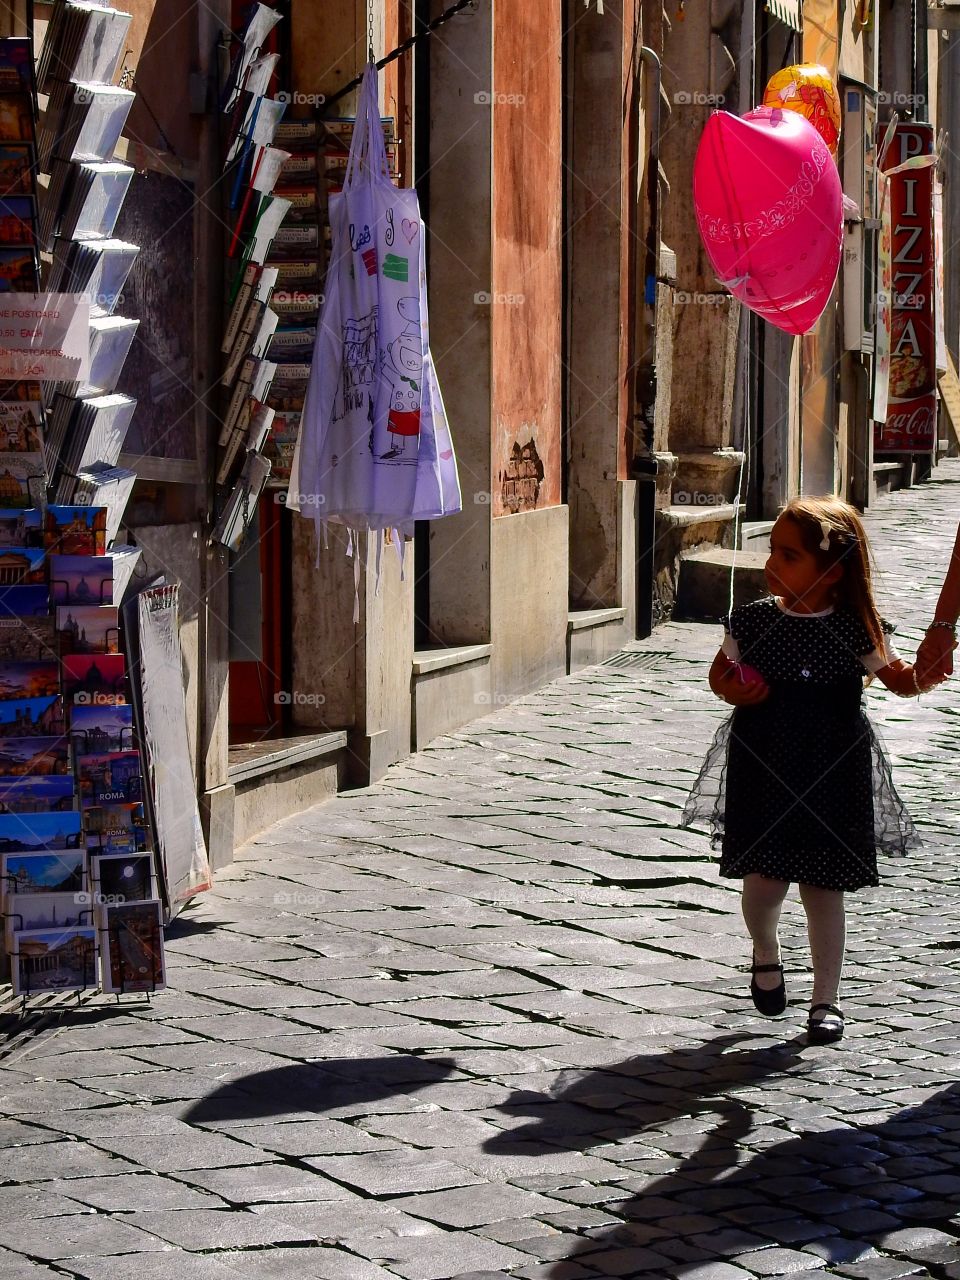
815,517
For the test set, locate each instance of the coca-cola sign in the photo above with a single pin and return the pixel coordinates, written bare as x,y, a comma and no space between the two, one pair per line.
911,419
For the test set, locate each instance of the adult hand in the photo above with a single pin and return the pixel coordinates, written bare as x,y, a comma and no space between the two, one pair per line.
935,656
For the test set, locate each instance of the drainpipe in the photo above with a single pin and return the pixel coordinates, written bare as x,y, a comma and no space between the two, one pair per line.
644,463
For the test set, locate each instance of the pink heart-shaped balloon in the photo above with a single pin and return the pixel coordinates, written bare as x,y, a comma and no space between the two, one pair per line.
769,207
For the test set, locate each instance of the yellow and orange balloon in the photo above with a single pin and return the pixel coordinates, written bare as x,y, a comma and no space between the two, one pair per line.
808,89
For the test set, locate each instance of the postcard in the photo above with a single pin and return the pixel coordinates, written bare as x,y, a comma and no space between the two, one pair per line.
16,168
44,794
53,960
18,270
16,65
35,832
20,527
101,728
23,602
55,871
94,679
17,214
81,579
47,911
27,639
23,566
122,818
120,842
111,777
31,718
87,628
20,426
76,531
122,877
37,757
16,117
132,953
24,681
23,478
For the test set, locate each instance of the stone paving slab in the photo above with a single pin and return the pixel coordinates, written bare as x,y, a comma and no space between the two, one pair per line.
489,1018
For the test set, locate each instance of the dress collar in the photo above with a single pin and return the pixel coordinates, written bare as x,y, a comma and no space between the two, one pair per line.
795,613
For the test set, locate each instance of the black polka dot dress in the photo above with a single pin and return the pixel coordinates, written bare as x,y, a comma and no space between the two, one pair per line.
798,787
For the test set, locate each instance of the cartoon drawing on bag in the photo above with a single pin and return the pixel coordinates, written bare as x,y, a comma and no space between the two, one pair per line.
358,363
403,369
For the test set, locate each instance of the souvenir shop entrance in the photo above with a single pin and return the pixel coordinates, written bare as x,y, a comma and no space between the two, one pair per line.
259,592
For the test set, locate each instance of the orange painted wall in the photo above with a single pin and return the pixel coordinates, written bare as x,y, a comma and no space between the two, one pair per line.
527,256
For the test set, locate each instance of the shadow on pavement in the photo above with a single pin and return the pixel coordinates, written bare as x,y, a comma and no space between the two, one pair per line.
317,1087
710,1194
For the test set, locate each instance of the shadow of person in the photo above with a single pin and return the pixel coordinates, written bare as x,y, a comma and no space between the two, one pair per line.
627,1098
714,1191
312,1088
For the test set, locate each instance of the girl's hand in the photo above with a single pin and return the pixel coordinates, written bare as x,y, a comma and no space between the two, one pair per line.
903,679
737,683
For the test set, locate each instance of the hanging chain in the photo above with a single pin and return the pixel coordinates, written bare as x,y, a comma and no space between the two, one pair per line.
370,54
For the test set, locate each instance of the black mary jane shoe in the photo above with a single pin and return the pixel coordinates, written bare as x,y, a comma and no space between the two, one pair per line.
771,1002
825,1030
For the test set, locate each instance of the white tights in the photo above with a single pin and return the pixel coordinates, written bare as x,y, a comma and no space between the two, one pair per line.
826,929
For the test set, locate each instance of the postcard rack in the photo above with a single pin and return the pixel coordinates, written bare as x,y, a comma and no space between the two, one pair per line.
78,884
80,125
21,410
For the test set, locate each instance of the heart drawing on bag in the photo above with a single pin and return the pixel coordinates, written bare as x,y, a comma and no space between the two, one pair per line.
411,228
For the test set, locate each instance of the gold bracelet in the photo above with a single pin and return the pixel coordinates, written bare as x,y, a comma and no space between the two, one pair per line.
916,682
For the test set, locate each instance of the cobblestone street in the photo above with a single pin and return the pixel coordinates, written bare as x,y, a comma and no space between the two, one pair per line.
490,1018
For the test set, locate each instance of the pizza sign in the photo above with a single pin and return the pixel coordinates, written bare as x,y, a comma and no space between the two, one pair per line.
911,420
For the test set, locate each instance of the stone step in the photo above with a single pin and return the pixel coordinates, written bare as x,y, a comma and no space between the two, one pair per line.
703,589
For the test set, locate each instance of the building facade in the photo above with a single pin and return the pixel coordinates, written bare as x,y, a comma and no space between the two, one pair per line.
608,399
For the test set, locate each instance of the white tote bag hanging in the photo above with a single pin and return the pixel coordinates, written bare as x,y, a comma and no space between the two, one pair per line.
374,450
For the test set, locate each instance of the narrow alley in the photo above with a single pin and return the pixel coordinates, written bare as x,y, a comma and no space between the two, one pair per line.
490,1018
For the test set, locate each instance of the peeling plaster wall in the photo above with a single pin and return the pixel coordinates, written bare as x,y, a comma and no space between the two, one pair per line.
525,298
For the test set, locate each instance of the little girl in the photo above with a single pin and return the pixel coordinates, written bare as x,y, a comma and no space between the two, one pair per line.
796,786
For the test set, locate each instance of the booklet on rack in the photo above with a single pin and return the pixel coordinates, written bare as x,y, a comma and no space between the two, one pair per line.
83,432
83,200
83,41
87,127
95,268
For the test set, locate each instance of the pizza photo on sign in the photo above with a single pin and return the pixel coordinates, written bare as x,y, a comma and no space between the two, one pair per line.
909,376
